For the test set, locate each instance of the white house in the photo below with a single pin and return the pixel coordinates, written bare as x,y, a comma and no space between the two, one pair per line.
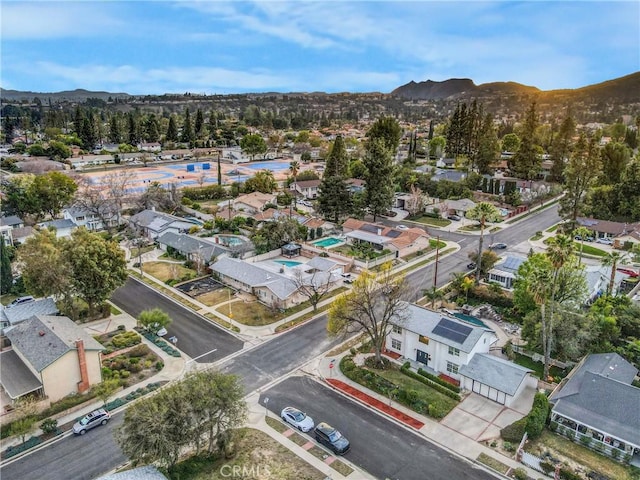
308,188
152,224
441,343
505,272
93,222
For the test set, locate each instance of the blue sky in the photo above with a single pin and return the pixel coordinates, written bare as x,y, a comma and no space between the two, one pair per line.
221,47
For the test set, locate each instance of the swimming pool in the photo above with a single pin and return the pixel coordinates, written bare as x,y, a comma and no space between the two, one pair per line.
471,319
288,263
273,165
328,242
229,240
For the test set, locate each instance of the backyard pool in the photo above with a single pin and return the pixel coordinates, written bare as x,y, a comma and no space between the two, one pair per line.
328,242
288,263
229,240
471,319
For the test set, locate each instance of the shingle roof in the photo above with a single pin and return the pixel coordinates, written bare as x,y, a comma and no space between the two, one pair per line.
148,472
11,220
322,264
423,322
495,372
255,276
42,339
189,245
58,224
20,312
599,393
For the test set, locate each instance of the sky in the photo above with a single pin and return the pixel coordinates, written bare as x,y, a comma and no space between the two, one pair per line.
225,47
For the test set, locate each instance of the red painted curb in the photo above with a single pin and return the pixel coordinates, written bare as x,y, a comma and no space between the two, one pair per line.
375,403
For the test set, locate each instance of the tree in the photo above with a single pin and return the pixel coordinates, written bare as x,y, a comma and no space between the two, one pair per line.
527,161
467,284
539,285
388,130
433,295
379,187
105,389
371,306
294,168
253,144
489,259
97,266
437,146
172,130
337,161
510,143
483,212
6,278
156,196
583,233
205,406
615,157
153,320
313,286
561,147
187,135
581,172
334,198
263,181
488,146
26,408
613,260
53,190
276,234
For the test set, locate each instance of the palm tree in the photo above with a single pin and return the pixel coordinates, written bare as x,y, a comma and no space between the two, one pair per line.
483,212
583,233
467,284
433,295
294,168
613,259
539,285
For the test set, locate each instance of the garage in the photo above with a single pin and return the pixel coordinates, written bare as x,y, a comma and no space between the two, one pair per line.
495,378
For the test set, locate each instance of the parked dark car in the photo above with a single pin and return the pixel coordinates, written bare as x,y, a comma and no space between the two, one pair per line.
471,265
586,239
455,218
331,438
498,246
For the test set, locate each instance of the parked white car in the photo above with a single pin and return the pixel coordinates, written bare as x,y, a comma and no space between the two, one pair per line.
604,241
297,418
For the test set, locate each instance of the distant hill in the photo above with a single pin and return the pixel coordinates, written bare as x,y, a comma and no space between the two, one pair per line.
79,95
621,89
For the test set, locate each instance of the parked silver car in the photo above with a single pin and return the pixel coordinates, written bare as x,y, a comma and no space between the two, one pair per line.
91,420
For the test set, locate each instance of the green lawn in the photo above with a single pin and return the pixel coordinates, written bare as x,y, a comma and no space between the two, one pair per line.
538,367
435,222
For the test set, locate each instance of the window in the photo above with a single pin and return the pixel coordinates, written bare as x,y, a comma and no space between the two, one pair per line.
423,339
396,329
452,367
454,351
396,344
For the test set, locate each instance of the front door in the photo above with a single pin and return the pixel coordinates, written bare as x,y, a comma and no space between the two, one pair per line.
422,357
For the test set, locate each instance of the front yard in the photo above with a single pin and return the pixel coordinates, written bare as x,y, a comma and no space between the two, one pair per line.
434,222
168,271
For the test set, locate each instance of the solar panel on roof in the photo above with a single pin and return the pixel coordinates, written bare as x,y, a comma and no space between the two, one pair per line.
453,331
394,233
369,228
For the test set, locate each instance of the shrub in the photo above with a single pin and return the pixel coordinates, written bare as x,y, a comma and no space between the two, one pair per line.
446,390
138,351
121,328
567,474
439,381
509,447
547,467
537,417
49,426
405,366
520,474
159,366
126,339
513,432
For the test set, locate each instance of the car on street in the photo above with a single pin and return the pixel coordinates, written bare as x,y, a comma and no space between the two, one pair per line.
585,239
297,418
498,246
604,241
21,300
331,438
91,420
455,218
471,265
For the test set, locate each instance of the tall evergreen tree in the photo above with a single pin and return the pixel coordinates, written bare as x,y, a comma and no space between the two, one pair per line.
172,130
187,129
6,279
133,136
615,157
526,162
152,129
388,129
378,160
337,162
199,123
561,148
334,198
115,130
488,146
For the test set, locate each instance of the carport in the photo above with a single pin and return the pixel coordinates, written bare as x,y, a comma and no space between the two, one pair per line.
17,379
495,378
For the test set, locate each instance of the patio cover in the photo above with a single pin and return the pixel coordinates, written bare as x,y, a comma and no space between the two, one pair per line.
17,379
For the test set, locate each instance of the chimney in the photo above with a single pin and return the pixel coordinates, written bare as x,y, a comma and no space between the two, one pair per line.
379,231
83,384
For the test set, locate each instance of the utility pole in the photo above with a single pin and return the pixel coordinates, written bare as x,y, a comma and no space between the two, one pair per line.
435,271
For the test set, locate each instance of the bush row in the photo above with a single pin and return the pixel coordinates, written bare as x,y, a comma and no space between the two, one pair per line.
433,378
126,339
533,423
422,377
15,450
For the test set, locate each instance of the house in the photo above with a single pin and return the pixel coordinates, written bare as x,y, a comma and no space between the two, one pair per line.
273,214
62,226
446,163
441,344
356,185
458,207
253,202
308,188
50,355
150,147
380,237
614,230
450,175
505,272
14,314
597,402
9,226
12,221
497,379
105,216
194,249
21,234
147,472
271,283
89,160
598,278
152,224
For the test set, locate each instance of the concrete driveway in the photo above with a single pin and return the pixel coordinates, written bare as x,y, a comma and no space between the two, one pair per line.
481,419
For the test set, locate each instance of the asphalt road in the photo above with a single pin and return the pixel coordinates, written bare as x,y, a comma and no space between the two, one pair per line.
382,448
197,337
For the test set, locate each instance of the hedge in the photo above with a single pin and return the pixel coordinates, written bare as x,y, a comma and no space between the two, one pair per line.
32,442
439,381
435,385
533,423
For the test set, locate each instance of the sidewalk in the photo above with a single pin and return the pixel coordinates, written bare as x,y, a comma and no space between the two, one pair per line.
434,431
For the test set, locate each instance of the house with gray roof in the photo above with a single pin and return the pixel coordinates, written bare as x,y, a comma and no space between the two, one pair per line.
62,226
506,272
193,248
496,378
104,216
152,224
50,355
147,472
598,402
440,343
12,315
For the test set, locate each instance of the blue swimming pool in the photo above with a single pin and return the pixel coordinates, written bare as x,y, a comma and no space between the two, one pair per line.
288,263
327,242
229,240
273,165
471,319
